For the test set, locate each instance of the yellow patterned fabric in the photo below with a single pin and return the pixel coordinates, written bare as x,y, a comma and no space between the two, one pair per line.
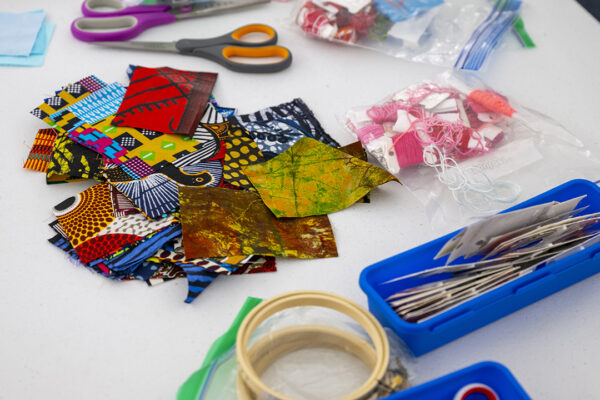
79,159
70,161
151,147
87,214
71,94
241,151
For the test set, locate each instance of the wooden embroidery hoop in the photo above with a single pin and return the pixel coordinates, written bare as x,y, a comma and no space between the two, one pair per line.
253,362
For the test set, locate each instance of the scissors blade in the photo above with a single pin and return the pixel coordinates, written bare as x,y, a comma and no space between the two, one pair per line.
148,46
214,7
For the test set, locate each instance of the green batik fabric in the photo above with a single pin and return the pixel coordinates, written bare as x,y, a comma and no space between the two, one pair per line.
311,178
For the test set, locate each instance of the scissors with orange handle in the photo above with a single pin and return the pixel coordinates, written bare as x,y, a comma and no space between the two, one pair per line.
229,50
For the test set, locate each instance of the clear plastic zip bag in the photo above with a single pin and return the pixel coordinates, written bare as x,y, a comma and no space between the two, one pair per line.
459,33
466,151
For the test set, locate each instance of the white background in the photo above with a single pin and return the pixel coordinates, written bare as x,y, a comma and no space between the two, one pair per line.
66,333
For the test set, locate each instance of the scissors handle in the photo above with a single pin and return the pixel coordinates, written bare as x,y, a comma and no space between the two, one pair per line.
97,8
235,37
223,55
221,49
120,28
187,46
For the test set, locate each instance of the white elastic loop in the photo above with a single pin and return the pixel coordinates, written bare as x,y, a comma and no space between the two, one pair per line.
470,187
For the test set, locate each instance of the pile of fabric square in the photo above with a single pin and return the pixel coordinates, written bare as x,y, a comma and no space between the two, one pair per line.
187,188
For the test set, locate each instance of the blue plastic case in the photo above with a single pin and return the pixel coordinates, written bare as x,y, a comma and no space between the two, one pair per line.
492,374
480,311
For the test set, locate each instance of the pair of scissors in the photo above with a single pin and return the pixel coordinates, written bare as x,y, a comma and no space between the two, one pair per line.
226,49
124,23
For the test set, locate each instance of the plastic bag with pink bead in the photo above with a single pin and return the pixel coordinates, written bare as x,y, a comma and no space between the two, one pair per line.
466,150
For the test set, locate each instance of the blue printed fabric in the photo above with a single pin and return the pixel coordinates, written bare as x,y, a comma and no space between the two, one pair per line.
400,10
125,263
198,279
157,194
145,271
274,137
60,240
277,128
63,243
132,261
99,105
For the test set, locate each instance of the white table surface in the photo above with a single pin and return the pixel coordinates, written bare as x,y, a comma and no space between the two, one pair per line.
66,333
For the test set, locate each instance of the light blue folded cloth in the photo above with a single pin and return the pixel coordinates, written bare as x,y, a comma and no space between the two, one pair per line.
38,52
18,32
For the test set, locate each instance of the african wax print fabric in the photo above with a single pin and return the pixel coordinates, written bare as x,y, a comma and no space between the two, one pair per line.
156,194
70,160
166,100
39,155
277,128
240,152
92,228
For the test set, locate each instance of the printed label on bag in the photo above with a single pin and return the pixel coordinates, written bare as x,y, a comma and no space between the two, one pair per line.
506,159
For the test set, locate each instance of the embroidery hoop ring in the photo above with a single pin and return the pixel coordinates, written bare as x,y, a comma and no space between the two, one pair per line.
265,351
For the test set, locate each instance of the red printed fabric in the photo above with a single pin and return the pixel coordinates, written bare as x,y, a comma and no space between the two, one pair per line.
103,245
165,100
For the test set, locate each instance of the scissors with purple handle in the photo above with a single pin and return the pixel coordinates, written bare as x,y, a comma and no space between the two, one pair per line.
121,23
